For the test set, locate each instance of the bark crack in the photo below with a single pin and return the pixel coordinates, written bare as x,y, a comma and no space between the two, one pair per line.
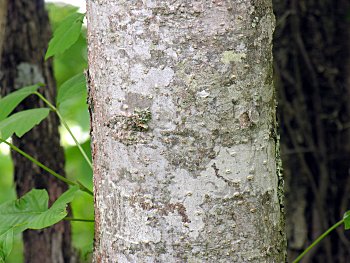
216,172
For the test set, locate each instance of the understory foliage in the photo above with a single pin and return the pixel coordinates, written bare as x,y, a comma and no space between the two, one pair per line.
31,211
311,57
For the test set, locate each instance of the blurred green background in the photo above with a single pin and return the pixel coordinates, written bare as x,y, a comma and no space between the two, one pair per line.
66,65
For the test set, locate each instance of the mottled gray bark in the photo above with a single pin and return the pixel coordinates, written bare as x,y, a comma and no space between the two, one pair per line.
183,132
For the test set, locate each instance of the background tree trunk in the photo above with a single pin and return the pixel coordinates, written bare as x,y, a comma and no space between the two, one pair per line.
183,132
3,16
27,35
312,68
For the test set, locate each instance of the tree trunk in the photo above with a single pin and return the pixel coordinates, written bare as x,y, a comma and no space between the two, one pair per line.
312,65
27,35
184,132
3,17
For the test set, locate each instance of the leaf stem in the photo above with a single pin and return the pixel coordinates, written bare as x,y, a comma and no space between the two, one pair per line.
66,126
318,240
47,169
60,177
79,219
84,188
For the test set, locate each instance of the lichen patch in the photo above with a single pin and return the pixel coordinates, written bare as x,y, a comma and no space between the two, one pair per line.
230,56
131,128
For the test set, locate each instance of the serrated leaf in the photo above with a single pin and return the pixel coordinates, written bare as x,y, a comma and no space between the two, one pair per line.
75,86
21,122
10,102
347,220
65,35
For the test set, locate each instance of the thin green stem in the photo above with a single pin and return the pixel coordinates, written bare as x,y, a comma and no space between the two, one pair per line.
44,167
318,240
66,126
84,188
47,169
79,219
75,140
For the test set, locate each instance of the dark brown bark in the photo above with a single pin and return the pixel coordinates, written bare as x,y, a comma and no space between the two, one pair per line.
27,36
312,65
3,15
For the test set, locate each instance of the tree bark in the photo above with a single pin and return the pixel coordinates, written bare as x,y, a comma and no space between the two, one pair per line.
3,17
184,132
312,68
27,35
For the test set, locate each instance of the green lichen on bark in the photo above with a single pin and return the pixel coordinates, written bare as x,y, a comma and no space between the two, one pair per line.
131,128
139,120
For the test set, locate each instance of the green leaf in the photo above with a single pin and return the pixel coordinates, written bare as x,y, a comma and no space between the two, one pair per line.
65,35
30,212
56,212
347,220
75,86
10,102
21,122
58,12
6,244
